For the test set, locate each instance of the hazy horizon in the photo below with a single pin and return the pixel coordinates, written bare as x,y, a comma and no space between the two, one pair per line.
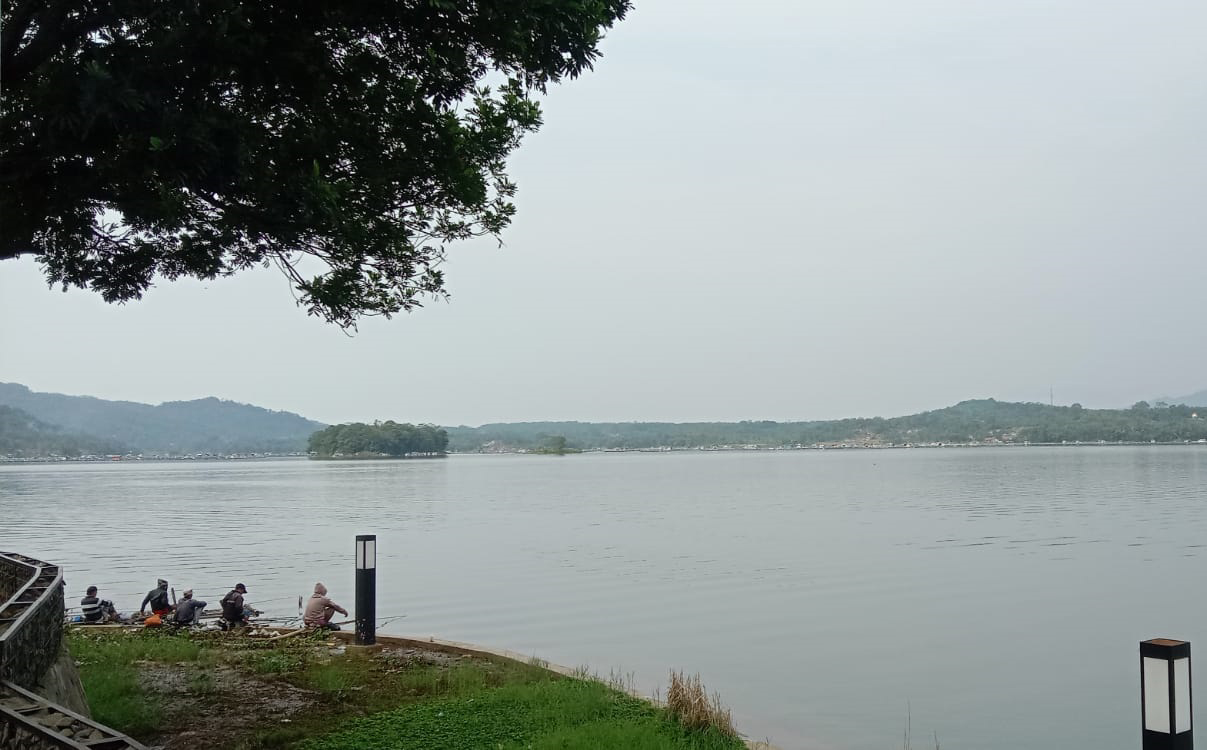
775,211
302,413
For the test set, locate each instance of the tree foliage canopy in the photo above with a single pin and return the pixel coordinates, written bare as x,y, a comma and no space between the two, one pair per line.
380,438
348,143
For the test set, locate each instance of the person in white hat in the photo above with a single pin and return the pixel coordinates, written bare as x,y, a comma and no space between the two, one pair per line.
188,610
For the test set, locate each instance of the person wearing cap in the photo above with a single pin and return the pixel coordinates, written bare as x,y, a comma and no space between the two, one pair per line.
233,611
188,610
320,610
157,598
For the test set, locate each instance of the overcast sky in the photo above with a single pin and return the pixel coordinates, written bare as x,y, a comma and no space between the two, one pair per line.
760,210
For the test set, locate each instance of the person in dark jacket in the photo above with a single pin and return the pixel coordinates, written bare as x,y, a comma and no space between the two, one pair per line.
157,598
233,614
188,610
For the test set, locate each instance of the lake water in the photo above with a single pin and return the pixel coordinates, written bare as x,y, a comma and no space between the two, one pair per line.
995,597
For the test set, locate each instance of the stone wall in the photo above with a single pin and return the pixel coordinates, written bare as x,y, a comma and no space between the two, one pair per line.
12,577
42,703
29,647
61,684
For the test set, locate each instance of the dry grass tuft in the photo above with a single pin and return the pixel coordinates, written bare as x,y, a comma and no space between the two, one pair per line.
622,682
690,704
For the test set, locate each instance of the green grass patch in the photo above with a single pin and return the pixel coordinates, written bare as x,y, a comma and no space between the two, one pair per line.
108,670
396,700
117,699
560,714
353,688
109,647
464,679
275,662
376,688
632,735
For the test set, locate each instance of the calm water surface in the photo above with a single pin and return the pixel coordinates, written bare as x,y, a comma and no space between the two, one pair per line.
992,596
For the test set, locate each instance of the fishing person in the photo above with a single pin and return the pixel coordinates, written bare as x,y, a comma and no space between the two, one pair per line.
320,610
188,610
97,611
234,612
157,598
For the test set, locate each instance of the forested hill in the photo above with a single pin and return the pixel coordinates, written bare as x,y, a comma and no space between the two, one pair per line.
54,424
980,421
1194,399
22,436
206,425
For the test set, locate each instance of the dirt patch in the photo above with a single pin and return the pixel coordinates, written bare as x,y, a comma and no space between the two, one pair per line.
202,704
403,658
219,705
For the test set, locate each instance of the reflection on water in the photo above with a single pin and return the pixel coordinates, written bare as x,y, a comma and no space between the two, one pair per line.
994,596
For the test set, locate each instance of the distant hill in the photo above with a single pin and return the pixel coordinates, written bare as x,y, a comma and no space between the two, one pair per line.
1194,399
22,436
979,421
90,425
207,425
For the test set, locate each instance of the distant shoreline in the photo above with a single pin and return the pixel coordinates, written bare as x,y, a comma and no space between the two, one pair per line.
132,458
847,447
44,427
522,452
379,457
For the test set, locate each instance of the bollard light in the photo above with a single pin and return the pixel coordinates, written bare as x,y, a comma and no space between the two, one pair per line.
1165,695
366,552
366,589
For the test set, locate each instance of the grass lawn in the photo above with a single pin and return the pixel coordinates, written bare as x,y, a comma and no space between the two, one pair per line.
179,690
562,714
109,670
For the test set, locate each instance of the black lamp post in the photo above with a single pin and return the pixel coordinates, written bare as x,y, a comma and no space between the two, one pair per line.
1165,695
366,589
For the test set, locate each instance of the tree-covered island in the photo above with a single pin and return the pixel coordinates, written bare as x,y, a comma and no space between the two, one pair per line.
379,440
555,445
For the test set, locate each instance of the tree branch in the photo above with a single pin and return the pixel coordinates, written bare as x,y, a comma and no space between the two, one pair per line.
55,33
14,30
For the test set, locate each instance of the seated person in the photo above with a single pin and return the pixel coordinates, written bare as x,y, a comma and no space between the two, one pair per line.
320,609
97,611
188,610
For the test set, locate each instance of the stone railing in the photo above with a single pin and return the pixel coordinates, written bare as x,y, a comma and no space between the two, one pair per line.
31,639
31,620
13,576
